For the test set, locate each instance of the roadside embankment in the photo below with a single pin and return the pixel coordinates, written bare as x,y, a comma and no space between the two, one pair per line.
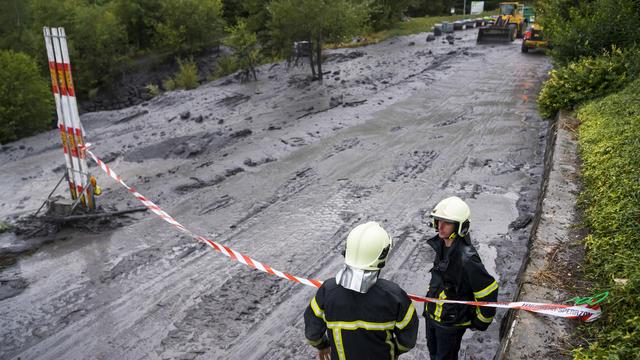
554,254
604,180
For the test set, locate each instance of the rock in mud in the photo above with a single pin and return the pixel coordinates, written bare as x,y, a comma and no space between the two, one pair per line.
241,133
11,287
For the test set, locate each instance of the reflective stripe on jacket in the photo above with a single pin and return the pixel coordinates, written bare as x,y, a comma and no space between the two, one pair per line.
380,324
458,274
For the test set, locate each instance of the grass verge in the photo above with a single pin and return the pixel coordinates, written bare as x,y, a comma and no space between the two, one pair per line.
609,147
411,26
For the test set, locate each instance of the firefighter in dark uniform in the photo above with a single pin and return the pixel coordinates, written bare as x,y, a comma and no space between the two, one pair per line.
457,274
358,315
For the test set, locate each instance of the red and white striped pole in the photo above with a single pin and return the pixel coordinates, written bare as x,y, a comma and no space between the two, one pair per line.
48,41
78,130
71,130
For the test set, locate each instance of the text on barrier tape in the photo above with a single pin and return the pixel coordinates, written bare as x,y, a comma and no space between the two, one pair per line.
584,312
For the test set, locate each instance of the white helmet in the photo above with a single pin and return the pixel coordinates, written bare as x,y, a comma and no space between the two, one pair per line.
368,247
454,210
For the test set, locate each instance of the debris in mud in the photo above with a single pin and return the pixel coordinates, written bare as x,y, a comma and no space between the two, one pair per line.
241,133
431,37
223,202
233,100
185,115
131,117
521,222
450,40
186,188
12,287
250,163
340,57
300,81
232,172
354,103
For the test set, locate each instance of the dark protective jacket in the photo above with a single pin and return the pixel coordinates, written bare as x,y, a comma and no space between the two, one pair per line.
458,274
380,324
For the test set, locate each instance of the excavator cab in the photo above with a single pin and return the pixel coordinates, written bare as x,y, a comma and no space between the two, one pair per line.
508,26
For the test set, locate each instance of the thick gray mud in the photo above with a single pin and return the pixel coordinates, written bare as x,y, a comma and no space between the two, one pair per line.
280,169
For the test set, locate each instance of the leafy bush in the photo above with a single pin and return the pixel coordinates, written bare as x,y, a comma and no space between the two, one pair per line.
587,79
189,26
100,44
25,97
152,89
4,226
609,146
246,52
226,65
185,78
584,28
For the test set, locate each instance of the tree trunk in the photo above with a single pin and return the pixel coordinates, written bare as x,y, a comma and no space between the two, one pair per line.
313,67
319,56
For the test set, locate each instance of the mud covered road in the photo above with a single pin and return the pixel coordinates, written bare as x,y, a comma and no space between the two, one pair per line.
281,170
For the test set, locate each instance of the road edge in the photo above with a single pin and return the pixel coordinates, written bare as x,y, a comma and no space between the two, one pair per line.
525,335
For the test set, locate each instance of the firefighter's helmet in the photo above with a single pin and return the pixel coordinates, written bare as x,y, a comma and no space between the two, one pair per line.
368,247
453,210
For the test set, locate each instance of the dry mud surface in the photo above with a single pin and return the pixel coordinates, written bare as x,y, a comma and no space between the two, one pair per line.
279,169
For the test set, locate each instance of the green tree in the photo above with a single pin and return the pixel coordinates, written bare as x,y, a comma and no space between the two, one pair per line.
138,17
384,13
258,17
189,26
14,26
586,28
245,48
25,97
315,21
99,42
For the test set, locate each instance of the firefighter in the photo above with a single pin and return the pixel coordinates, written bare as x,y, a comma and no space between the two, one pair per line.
358,315
457,274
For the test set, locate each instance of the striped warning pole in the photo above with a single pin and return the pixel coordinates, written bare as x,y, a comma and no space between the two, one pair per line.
78,130
68,105
59,111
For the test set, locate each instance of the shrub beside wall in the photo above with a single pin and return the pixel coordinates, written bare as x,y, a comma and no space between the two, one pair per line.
610,148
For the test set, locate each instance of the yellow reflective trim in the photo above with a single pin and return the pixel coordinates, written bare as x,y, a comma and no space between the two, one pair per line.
486,291
391,346
407,317
360,324
482,317
464,323
337,340
314,342
438,311
316,308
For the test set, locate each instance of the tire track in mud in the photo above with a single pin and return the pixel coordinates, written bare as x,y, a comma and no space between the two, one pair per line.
245,300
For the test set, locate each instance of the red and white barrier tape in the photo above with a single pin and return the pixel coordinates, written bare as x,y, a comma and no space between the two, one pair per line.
582,312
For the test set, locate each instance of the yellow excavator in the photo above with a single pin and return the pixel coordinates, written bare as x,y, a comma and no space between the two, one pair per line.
508,26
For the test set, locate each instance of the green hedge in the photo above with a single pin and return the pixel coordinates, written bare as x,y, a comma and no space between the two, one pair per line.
588,78
610,151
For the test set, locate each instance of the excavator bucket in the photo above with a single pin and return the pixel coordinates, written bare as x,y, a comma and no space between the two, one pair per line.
491,34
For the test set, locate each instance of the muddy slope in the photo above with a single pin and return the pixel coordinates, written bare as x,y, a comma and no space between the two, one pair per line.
280,169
